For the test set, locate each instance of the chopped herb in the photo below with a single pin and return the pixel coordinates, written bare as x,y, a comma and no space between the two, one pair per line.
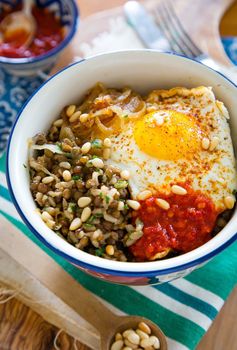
59,145
126,206
76,177
89,226
234,192
96,143
98,215
68,155
89,164
91,219
94,156
72,207
25,166
100,251
121,184
107,199
101,195
125,116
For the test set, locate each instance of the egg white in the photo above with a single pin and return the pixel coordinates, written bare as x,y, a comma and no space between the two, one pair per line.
211,172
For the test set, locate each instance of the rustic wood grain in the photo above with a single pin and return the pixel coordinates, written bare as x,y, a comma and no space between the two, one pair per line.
23,329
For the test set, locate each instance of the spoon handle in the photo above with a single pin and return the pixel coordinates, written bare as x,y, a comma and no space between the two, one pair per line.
91,309
79,299
27,7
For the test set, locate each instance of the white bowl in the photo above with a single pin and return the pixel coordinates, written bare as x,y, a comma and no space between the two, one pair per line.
143,70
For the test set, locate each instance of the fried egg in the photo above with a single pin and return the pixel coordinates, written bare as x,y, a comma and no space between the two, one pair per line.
184,136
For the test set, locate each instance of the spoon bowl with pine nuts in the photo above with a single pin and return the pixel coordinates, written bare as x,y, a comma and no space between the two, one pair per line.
135,332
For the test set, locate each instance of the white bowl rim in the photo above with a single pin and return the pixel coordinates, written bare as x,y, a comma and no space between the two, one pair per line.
130,269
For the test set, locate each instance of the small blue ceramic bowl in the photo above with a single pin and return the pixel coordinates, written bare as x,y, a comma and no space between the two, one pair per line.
67,12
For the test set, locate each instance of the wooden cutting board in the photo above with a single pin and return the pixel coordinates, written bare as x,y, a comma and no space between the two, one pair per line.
21,328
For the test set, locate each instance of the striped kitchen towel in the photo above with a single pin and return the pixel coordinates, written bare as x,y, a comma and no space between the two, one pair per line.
190,303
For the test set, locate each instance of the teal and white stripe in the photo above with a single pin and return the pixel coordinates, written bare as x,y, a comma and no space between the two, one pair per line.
184,308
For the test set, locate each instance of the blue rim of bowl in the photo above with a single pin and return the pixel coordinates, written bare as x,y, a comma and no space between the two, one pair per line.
21,61
79,263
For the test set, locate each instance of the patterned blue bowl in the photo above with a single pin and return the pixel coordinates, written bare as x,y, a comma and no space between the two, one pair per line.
67,12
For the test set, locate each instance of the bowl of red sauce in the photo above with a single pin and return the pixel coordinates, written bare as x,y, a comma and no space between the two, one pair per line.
56,24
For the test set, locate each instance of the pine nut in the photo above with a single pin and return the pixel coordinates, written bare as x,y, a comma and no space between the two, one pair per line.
50,224
110,218
178,190
205,143
163,204
96,234
156,342
125,174
127,348
118,336
117,345
86,147
70,110
83,202
83,242
107,142
126,333
133,337
65,165
84,159
135,205
74,117
86,213
142,334
229,202
98,163
67,175
109,249
47,179
144,195
129,344
46,216
144,327
75,224
120,205
50,210
84,117
81,234
106,153
214,142
146,342
58,122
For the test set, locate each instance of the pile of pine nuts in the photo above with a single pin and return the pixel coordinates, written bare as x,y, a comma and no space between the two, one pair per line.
139,339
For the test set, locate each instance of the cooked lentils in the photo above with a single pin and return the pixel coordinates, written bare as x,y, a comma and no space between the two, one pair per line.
80,197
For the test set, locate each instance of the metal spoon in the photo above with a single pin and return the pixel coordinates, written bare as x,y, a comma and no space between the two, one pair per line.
19,26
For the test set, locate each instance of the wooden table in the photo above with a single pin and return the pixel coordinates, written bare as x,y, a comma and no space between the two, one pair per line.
23,329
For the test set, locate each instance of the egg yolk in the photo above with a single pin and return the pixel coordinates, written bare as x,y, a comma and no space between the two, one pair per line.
168,135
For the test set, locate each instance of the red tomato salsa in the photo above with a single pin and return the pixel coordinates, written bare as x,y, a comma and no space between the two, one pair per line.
49,34
185,226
